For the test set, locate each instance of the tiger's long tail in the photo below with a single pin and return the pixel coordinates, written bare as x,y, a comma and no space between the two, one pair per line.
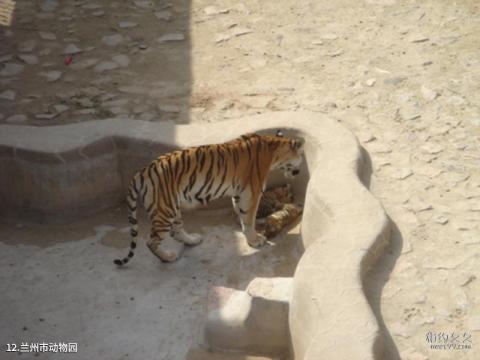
132,196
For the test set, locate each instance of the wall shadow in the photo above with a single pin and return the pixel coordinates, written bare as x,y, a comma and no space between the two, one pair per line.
378,275
70,62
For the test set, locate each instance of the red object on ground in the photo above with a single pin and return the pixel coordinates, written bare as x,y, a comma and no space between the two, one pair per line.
68,60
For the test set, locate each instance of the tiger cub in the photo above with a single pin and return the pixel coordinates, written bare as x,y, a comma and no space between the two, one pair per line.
198,175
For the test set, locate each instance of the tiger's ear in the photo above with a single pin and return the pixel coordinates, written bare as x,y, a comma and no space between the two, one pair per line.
279,133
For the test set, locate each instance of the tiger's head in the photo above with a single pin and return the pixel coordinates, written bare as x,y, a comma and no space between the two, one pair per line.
287,155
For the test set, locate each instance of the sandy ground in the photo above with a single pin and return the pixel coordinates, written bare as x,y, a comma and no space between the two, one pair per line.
403,75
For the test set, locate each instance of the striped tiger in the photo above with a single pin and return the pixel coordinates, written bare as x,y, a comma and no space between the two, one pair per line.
198,175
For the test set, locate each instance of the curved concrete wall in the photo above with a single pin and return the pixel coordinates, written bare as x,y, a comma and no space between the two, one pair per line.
62,172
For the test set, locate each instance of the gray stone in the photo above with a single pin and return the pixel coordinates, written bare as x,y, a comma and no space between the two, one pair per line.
71,49
52,76
168,108
83,64
143,4
440,219
171,37
163,15
8,95
105,66
112,40
44,35
17,119
127,24
92,6
98,13
28,59
45,116
11,69
121,60
60,108
428,94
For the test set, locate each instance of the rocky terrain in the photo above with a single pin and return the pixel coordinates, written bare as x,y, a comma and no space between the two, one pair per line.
402,75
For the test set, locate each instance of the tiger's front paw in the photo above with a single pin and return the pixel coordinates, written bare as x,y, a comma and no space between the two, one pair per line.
188,239
257,241
193,239
167,256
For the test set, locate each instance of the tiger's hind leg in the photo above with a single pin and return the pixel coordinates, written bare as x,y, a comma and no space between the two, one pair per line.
181,235
247,205
160,229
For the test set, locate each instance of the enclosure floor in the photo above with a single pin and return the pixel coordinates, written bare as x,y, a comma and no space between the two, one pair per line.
58,284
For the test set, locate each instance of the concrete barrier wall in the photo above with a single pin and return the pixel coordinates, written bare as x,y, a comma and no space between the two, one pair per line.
63,172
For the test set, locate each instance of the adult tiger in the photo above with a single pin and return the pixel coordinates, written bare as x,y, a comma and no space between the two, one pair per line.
198,175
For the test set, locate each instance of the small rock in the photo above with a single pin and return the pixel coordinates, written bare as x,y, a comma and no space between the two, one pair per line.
91,6
11,69
44,35
71,49
335,53
171,37
112,40
394,80
121,60
418,38
440,219
84,102
468,280
45,116
16,119
371,82
127,24
83,64
60,108
29,59
105,66
241,31
218,38
213,10
143,4
8,95
402,174
428,94
98,13
409,112
27,46
163,15
52,76
432,148
329,36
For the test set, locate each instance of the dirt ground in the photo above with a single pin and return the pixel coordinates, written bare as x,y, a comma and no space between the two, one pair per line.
403,75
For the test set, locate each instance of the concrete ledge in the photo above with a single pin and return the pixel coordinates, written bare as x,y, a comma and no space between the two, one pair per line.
63,172
254,321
